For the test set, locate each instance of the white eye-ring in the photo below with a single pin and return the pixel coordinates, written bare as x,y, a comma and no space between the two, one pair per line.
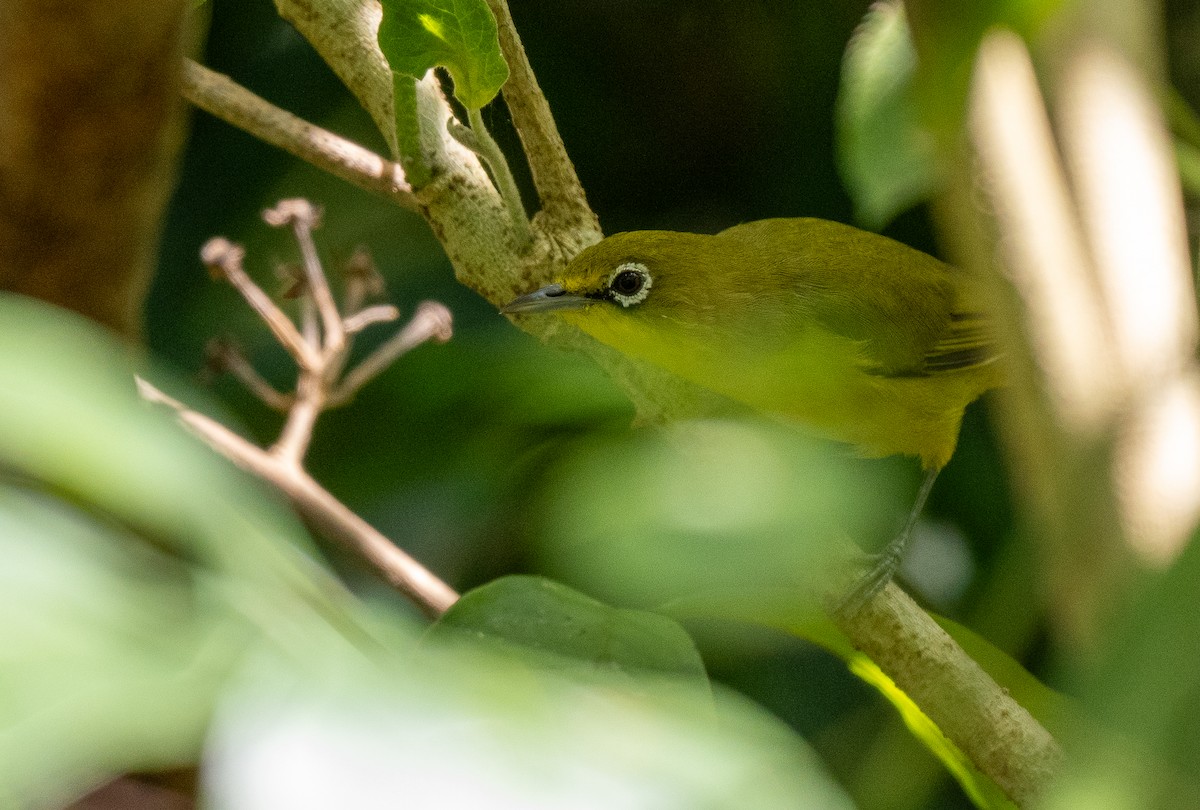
629,284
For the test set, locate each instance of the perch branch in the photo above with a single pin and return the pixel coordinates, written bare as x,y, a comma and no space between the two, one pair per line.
998,735
558,187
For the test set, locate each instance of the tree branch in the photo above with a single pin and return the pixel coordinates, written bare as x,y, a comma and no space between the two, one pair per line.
219,95
971,709
400,570
320,350
558,186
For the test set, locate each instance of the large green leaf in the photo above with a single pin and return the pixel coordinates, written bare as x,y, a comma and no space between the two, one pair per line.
138,566
466,725
459,35
544,616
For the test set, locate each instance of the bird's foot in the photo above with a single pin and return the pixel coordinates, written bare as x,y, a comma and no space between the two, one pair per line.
881,568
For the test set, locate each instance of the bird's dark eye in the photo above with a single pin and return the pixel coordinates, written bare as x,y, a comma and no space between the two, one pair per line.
629,284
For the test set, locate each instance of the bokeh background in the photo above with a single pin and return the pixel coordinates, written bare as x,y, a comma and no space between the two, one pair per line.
680,114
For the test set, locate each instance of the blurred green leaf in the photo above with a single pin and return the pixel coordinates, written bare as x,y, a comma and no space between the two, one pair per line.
1139,743
139,565
748,514
462,726
887,160
548,617
459,35
111,658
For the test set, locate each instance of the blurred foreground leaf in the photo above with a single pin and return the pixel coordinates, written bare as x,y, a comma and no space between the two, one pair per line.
543,616
138,566
1139,744
460,726
947,34
748,514
110,657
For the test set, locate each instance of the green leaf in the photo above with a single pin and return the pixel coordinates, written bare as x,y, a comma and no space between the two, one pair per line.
1138,745
543,616
947,34
747,512
101,636
139,565
459,35
887,159
367,735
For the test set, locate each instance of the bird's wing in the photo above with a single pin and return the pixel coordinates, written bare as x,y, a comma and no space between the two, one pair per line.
911,314
967,343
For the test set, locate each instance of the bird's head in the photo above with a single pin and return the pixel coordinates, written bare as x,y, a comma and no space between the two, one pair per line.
643,277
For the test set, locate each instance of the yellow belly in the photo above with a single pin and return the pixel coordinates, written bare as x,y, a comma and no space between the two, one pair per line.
819,381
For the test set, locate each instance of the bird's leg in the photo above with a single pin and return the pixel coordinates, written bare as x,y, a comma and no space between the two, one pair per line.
884,564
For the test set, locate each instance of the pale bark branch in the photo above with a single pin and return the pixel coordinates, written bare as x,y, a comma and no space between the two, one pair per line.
995,732
558,187
220,96
396,567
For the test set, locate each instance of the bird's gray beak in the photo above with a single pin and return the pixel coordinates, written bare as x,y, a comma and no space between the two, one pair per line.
547,299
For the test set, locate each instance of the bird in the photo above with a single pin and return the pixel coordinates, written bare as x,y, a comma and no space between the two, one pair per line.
857,337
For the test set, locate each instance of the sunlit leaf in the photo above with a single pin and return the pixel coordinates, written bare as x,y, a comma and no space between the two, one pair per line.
461,726
459,35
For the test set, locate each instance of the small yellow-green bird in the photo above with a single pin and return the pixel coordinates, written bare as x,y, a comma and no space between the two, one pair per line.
859,337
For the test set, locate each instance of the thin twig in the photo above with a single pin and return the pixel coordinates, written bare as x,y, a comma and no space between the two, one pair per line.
303,216
431,321
225,356
219,95
224,259
320,354
297,431
380,313
554,177
404,573
486,147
